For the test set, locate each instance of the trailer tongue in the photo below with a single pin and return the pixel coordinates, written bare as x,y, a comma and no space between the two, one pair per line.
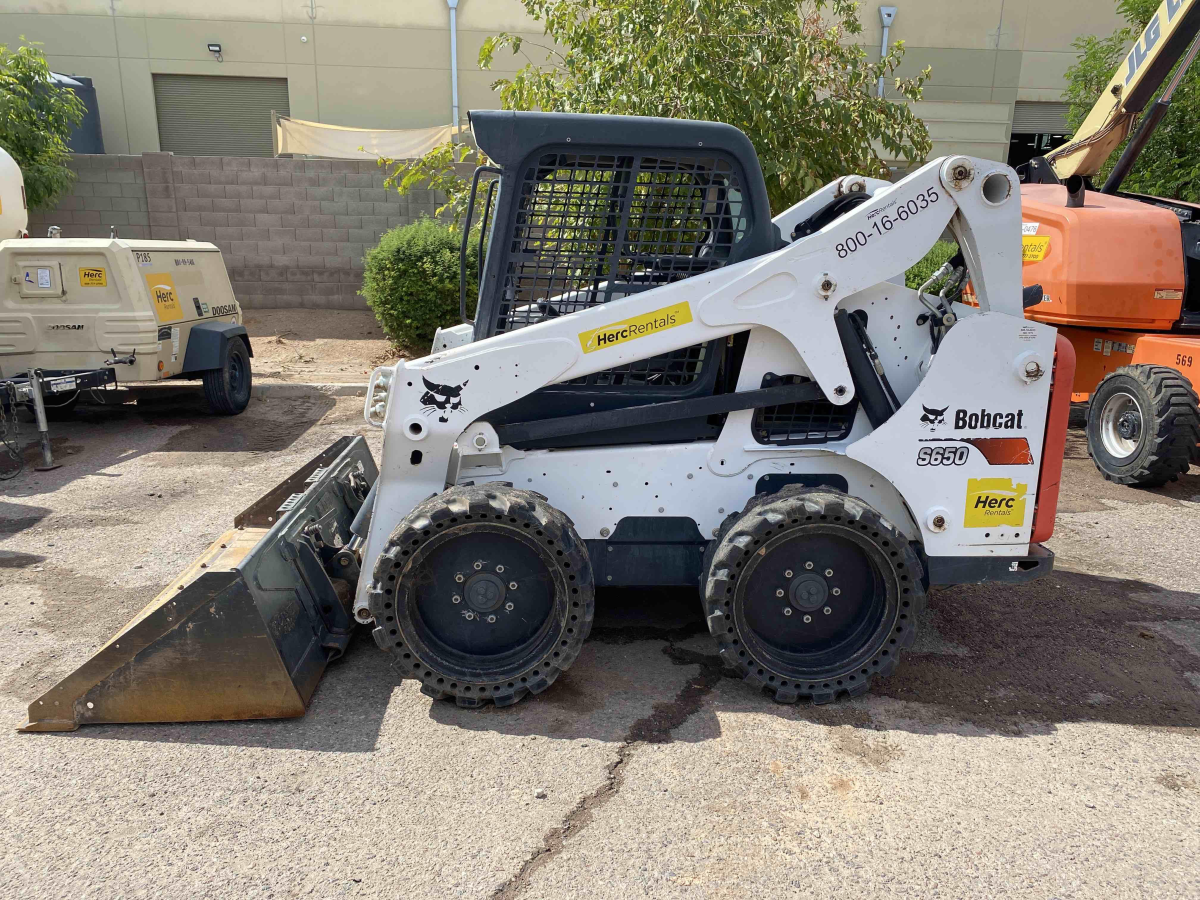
247,630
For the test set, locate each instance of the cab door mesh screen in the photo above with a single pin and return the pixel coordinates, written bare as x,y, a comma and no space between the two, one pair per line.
591,228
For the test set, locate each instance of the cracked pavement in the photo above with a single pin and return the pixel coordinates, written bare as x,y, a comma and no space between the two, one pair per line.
1041,740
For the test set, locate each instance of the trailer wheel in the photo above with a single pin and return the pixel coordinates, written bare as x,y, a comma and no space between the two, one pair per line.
1143,425
227,389
812,594
484,594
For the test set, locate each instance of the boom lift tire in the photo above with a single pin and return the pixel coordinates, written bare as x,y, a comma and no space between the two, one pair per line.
484,593
812,593
227,389
1143,425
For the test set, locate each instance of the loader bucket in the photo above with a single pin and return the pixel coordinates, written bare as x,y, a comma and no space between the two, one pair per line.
246,631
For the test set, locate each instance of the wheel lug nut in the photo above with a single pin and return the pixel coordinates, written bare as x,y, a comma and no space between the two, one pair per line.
499,568
479,565
508,606
779,593
787,574
829,573
808,565
827,610
787,610
491,618
458,578
512,585
808,619
456,599
836,592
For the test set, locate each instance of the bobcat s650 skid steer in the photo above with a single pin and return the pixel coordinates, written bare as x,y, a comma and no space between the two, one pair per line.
662,386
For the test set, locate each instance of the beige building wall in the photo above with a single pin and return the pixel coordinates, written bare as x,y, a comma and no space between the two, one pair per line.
386,63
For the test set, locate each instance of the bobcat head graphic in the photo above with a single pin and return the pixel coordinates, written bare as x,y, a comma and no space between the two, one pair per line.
442,398
932,418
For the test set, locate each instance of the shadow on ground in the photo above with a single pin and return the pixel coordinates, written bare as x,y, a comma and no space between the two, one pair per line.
1009,660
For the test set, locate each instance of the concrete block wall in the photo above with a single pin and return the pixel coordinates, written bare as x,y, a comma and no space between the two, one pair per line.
292,231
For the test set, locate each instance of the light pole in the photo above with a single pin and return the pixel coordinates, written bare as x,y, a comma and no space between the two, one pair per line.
887,15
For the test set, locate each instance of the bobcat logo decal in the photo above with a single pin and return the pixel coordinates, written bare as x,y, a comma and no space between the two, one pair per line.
931,418
444,398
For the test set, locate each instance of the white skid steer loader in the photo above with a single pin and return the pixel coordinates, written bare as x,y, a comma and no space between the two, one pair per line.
662,386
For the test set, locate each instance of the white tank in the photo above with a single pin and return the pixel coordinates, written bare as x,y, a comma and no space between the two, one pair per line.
14,217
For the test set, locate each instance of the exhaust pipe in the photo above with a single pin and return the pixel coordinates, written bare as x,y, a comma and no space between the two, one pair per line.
1075,191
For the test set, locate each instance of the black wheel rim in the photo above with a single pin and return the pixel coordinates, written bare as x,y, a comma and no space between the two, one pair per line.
813,600
237,373
484,597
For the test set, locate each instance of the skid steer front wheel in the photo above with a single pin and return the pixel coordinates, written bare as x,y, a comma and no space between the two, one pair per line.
483,593
812,593
1143,425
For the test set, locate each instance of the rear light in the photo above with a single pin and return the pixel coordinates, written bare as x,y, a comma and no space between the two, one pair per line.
1054,443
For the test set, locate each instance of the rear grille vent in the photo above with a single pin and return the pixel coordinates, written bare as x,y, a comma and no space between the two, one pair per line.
815,422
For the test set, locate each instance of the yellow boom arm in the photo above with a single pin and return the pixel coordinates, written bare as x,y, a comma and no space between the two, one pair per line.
1167,35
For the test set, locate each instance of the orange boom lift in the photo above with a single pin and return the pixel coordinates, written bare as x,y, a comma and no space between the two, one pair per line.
1120,272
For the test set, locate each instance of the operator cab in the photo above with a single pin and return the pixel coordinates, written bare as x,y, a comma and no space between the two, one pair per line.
591,209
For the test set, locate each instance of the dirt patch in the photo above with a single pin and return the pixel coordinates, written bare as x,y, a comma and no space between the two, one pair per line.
1175,781
317,344
853,742
1041,652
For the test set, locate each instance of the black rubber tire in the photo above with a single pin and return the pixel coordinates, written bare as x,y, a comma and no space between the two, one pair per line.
524,525
1170,426
227,389
887,628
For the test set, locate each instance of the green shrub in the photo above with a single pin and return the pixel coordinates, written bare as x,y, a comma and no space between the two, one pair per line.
411,282
930,263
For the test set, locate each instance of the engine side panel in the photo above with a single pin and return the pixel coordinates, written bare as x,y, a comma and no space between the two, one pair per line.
69,303
1114,263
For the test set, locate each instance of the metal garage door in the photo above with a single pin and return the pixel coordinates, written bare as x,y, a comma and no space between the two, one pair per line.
216,115
1040,118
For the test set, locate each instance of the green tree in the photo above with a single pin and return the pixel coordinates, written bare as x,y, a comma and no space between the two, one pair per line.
790,74
437,170
36,118
1169,165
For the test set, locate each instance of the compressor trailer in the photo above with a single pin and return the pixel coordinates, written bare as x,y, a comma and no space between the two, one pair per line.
662,386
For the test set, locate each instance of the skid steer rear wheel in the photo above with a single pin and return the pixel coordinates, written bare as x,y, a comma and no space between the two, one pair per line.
484,593
1143,425
812,593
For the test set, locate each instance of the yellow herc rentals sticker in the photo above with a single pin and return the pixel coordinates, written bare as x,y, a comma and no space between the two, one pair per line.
994,501
166,301
637,327
93,276
1034,249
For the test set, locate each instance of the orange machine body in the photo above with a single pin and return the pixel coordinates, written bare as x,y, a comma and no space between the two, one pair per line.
1113,278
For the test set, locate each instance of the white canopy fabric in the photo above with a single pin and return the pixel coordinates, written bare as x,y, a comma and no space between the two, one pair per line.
315,139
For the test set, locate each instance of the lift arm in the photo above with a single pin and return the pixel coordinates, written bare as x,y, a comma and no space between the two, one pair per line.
1166,38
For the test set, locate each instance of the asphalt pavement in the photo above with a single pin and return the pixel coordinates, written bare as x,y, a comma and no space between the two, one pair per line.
1042,740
